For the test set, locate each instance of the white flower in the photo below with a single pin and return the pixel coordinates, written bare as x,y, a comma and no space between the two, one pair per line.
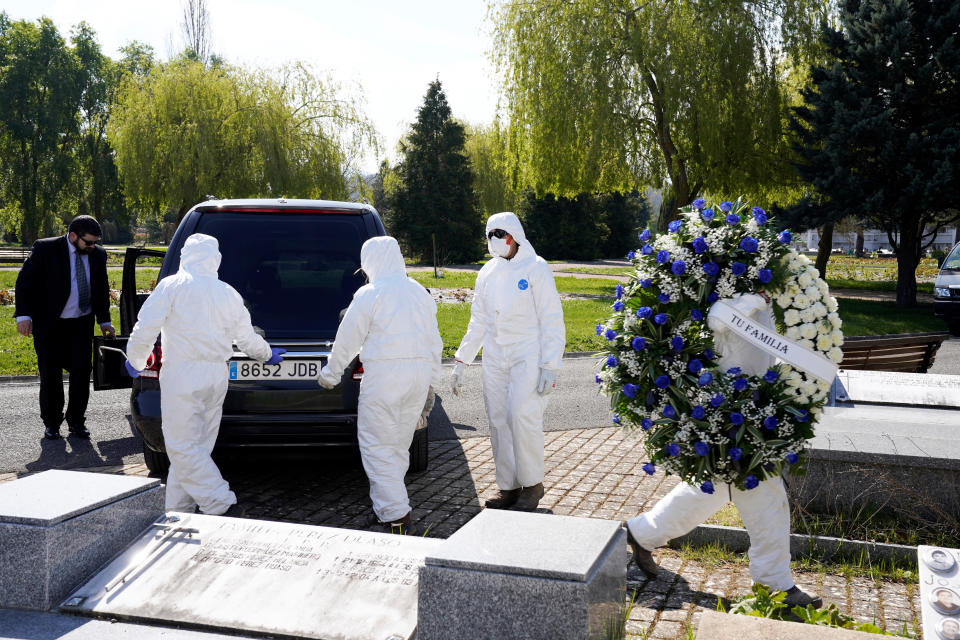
793,332
804,280
831,304
801,301
836,337
835,354
813,293
783,301
807,344
824,342
819,310
834,319
791,317
807,315
808,331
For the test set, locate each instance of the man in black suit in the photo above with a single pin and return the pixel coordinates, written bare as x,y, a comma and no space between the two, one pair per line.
61,287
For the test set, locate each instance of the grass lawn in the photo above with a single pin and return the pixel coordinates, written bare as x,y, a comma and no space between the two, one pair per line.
146,278
17,357
873,317
467,280
603,271
873,285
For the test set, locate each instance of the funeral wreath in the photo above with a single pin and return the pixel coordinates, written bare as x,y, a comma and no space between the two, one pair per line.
703,422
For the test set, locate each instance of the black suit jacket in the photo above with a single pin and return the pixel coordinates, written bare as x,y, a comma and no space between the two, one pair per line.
43,284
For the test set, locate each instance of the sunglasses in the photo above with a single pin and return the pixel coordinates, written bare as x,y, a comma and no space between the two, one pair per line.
497,233
89,243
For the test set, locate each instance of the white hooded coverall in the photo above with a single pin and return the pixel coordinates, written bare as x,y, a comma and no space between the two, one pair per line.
764,509
517,318
198,318
392,324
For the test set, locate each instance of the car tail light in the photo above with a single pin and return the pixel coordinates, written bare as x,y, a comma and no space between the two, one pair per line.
357,371
152,369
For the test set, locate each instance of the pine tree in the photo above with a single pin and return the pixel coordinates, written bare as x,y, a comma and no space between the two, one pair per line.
880,135
435,197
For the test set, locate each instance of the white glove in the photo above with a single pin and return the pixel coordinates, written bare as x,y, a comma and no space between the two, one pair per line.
456,378
548,382
327,379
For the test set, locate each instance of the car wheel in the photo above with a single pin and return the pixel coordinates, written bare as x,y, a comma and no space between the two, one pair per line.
157,462
418,451
955,328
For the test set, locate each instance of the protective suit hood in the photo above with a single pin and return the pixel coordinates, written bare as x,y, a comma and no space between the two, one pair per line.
200,255
380,257
508,221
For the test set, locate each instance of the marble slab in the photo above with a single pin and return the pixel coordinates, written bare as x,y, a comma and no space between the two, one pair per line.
277,578
509,574
939,591
729,626
51,540
891,387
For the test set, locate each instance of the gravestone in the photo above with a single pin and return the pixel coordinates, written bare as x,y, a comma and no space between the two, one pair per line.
509,574
939,592
277,578
891,387
728,626
58,527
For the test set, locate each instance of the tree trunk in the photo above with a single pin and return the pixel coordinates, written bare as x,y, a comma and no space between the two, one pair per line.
824,248
859,247
908,257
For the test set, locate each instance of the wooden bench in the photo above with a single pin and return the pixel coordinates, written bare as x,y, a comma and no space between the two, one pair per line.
13,256
909,352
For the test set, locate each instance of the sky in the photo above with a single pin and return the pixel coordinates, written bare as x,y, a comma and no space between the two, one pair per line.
392,49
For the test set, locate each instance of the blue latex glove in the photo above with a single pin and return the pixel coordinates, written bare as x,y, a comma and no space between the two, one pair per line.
277,356
133,373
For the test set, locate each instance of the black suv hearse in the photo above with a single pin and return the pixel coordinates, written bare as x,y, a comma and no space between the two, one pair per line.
294,263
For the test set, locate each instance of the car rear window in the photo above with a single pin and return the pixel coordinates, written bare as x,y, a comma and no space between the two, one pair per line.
294,271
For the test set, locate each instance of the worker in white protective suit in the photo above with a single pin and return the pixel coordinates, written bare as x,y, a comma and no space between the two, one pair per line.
392,324
517,318
763,509
198,318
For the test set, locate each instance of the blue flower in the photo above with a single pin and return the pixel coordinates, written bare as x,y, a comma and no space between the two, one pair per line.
740,384
649,469
679,267
726,206
669,411
717,400
736,454
734,371
616,419
738,268
711,268
618,306
676,343
785,237
646,249
698,413
770,423
749,244
662,382
705,379
708,354
771,376
664,298
764,275
792,458
612,361
673,449
713,297
751,482
597,379
644,312
759,215
619,291
702,448
804,417
707,215
697,315
675,226
645,236
694,366
660,318
631,254
736,418
645,283
610,334
707,487
599,329
630,390
698,203
639,343
646,423
732,219
663,256
700,245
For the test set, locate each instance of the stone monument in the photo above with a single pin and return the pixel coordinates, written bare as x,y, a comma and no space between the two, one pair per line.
939,592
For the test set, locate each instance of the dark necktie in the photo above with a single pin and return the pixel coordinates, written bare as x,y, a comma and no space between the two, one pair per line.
83,289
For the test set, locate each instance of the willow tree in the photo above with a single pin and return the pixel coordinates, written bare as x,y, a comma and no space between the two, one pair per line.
614,94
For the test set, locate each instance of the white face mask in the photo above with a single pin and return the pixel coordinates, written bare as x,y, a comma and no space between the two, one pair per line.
498,247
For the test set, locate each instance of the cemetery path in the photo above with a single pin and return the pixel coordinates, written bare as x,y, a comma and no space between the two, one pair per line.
590,473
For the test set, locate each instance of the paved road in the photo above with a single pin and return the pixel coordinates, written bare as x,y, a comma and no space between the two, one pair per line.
578,405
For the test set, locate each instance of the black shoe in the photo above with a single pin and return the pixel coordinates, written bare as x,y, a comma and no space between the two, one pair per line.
529,498
797,598
52,433
641,557
400,526
235,511
504,500
79,431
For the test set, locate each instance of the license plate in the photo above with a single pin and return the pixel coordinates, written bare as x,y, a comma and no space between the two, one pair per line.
286,370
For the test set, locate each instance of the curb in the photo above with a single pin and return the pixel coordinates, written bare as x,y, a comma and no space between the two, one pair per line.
820,548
